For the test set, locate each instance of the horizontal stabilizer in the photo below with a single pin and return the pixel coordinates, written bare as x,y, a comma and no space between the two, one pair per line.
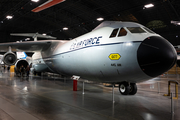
33,35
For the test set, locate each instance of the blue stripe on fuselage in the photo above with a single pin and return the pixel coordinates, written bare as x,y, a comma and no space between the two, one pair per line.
91,46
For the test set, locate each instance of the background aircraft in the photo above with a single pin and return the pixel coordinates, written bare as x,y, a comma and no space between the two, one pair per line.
114,52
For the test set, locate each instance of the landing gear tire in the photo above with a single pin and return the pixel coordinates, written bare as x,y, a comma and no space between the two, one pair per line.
124,88
133,89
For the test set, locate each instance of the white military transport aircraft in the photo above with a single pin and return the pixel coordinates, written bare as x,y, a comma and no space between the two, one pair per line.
114,52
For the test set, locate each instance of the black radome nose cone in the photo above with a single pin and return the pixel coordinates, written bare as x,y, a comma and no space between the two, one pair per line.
155,56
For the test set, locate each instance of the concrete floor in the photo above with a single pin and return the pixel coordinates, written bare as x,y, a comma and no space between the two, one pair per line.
43,98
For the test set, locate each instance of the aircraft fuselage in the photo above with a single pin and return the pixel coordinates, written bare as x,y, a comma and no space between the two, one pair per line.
128,54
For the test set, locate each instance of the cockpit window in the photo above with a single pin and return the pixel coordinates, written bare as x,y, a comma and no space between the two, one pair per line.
135,30
114,32
122,32
150,31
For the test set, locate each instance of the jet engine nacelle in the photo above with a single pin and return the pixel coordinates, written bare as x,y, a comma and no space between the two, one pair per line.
19,63
9,58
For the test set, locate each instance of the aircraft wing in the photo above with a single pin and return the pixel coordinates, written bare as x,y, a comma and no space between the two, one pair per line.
30,46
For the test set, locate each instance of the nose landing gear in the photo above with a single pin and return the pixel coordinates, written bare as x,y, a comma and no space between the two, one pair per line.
127,89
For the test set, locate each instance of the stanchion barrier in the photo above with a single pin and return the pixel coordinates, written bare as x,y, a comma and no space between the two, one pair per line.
172,104
113,93
83,88
169,88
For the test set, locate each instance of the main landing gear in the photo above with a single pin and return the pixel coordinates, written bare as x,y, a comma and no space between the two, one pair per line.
127,89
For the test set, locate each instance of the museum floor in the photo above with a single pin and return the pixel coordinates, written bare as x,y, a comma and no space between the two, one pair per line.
52,98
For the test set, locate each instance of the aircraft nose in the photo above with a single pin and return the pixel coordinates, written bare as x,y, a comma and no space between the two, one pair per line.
155,56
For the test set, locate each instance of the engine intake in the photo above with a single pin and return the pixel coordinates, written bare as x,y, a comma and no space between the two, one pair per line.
9,58
19,63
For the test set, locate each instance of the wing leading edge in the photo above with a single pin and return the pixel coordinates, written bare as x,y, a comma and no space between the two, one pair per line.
29,46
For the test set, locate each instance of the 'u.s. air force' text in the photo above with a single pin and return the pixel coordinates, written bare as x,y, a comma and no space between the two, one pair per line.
87,42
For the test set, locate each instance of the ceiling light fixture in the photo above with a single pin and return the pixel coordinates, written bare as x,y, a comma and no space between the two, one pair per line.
35,0
9,17
148,6
65,28
100,19
44,34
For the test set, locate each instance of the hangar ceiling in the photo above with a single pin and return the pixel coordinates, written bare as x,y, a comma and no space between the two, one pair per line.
80,17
